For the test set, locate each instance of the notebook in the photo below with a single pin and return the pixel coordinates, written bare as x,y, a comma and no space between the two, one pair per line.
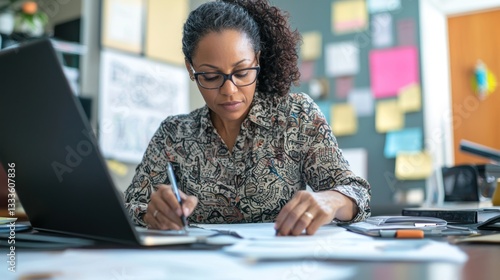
61,177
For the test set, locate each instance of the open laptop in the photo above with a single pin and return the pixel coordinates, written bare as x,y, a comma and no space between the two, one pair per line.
61,177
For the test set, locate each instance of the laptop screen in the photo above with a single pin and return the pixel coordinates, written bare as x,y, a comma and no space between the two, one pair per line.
61,178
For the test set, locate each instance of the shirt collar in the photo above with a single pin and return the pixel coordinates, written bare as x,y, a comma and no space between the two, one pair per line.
262,110
262,113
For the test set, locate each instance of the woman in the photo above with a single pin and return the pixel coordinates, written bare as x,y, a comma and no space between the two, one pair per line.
247,155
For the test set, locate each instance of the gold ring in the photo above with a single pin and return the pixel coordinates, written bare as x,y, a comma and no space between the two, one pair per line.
309,215
155,213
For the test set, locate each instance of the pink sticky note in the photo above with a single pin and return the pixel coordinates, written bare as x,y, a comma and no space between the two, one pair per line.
343,86
392,69
306,69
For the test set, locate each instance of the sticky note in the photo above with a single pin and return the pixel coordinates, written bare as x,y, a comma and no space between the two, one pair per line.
306,69
344,121
362,101
311,46
388,116
325,108
349,16
392,69
343,86
410,98
377,6
413,166
405,140
406,32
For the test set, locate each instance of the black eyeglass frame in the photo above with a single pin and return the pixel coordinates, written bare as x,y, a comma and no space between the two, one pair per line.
226,76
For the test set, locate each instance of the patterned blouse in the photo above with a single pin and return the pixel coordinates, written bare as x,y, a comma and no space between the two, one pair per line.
284,144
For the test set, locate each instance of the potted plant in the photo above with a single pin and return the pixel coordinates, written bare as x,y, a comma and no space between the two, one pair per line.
30,20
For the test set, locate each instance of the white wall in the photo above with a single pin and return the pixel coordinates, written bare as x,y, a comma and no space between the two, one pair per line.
60,11
436,86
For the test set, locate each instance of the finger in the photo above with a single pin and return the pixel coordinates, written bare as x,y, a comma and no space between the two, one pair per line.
165,222
162,201
149,222
284,212
316,223
170,199
303,222
182,195
189,204
291,219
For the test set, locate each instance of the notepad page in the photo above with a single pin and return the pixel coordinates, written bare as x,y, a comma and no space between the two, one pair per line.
266,230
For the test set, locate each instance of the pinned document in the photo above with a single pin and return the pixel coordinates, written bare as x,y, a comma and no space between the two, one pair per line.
382,30
362,101
342,59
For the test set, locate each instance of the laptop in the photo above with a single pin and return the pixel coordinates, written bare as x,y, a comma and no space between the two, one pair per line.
61,177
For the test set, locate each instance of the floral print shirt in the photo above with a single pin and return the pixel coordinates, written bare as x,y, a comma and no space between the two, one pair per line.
284,144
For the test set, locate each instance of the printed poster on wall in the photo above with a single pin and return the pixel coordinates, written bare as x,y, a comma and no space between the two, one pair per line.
136,95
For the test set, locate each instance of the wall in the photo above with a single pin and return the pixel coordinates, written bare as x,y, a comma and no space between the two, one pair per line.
60,10
316,16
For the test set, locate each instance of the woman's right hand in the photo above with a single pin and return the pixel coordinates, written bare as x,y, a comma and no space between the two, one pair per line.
164,211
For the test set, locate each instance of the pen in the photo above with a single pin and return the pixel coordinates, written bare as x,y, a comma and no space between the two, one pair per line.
173,182
403,233
419,234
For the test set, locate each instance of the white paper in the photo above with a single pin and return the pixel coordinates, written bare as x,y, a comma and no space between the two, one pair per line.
362,101
136,95
382,30
342,59
125,22
366,250
358,160
267,231
167,264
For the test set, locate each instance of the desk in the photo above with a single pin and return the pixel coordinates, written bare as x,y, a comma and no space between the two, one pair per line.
195,261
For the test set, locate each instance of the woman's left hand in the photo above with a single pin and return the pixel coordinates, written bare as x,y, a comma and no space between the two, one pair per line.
310,210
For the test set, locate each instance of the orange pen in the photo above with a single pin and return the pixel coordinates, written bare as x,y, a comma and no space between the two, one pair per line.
403,233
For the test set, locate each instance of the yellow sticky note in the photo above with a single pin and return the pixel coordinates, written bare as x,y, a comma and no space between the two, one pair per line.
388,116
410,98
311,46
117,167
413,166
349,16
343,120
164,30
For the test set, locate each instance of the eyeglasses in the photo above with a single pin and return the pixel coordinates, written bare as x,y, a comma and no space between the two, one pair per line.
214,80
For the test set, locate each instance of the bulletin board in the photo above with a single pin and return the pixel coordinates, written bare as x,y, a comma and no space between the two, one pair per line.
360,62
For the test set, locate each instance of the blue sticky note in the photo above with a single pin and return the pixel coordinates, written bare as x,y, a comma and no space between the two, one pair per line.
325,106
405,140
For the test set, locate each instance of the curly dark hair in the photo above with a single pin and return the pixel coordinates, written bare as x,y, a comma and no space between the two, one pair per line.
266,26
